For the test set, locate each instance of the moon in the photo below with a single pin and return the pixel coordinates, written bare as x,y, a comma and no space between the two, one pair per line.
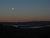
12,9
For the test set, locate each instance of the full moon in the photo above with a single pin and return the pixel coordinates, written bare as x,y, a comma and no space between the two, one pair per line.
12,9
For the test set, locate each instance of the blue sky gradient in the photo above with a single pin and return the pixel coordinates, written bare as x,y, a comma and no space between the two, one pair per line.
25,10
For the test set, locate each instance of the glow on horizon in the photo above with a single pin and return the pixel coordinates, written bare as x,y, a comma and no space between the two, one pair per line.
25,20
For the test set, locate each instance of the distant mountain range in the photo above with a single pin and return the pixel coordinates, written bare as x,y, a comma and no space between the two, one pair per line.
28,23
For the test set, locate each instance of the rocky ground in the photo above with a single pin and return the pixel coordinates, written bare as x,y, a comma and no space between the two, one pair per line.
12,32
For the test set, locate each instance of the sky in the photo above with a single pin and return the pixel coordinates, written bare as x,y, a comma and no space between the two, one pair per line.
24,10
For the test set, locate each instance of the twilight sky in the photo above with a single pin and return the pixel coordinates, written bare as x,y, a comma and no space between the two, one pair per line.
24,10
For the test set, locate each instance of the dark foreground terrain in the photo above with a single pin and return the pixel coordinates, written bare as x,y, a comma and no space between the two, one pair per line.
13,32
